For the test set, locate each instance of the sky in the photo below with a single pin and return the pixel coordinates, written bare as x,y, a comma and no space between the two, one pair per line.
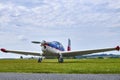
90,24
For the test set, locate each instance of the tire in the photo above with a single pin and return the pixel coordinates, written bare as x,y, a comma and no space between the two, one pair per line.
60,60
39,60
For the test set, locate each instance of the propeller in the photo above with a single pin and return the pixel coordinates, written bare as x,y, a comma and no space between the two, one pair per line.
42,43
36,42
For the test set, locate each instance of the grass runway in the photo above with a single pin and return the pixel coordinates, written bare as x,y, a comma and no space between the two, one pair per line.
70,66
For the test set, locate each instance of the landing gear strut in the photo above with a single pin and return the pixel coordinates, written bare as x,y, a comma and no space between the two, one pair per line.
60,59
39,60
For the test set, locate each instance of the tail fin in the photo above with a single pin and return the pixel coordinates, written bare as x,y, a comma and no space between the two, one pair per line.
69,45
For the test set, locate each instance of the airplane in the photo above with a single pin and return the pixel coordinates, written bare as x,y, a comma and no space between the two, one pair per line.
56,49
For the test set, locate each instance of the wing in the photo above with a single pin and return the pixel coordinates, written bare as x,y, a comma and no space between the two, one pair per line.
20,52
78,53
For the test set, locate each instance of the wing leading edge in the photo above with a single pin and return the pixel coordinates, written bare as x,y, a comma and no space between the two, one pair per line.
21,52
78,53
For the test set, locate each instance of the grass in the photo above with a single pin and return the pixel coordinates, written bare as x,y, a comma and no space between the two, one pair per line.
83,66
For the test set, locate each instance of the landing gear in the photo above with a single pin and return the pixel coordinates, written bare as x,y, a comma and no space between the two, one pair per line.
39,60
60,60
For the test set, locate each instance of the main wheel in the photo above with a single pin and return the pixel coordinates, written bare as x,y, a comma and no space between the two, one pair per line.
60,60
39,60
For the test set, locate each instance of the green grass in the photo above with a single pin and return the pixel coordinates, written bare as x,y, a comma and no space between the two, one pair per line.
84,66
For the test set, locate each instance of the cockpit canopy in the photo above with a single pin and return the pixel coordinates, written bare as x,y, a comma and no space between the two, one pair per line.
57,45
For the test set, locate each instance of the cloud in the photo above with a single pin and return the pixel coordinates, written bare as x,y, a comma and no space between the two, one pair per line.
84,20
56,13
37,16
114,4
7,38
22,38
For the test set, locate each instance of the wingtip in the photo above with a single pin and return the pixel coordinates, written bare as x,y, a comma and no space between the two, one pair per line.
117,48
3,50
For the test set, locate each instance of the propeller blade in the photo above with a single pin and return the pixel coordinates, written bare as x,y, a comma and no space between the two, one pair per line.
36,42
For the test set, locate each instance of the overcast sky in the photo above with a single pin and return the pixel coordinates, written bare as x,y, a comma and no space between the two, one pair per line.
90,24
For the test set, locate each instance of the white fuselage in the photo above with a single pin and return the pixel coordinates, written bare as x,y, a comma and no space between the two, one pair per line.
49,51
